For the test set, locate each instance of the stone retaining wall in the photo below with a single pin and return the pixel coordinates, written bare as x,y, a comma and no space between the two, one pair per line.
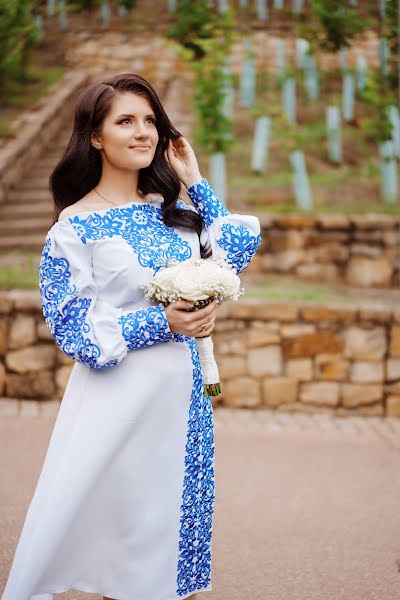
362,250
288,356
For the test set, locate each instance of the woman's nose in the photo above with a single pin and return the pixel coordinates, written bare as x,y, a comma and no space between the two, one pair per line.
141,130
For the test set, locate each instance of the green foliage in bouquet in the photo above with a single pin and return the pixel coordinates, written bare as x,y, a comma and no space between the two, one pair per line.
18,33
333,26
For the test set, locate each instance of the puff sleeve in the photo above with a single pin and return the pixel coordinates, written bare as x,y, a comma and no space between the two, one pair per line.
84,326
234,238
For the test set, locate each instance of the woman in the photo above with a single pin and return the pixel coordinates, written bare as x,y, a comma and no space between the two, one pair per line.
124,503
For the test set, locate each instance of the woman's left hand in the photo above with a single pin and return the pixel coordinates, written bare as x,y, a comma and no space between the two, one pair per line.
183,161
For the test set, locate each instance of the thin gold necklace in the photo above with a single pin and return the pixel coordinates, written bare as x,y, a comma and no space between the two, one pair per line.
109,201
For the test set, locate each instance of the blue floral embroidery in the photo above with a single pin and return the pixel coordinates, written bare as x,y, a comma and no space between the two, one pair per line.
239,245
194,562
209,206
143,229
145,327
66,319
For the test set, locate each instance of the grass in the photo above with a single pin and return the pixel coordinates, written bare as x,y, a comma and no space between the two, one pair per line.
283,287
19,270
315,294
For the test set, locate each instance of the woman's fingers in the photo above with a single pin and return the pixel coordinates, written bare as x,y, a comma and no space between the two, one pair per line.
203,314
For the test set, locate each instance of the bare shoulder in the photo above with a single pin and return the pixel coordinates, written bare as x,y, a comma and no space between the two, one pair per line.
87,203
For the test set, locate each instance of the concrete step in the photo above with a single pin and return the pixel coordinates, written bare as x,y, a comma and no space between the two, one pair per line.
17,227
34,242
36,209
18,196
34,183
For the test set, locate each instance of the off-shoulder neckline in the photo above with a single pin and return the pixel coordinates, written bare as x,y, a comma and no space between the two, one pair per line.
156,202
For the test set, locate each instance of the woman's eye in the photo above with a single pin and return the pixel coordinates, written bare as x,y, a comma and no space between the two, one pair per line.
151,119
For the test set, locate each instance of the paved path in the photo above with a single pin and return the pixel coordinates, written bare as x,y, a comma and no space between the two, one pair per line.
307,506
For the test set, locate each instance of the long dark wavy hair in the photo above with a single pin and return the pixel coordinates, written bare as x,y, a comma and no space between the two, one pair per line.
79,169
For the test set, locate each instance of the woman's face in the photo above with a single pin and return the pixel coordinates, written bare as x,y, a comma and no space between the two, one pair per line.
129,137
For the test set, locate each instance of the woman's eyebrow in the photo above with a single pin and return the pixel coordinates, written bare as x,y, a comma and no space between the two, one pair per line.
126,115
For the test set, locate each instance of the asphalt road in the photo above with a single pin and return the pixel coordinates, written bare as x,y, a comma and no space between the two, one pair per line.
300,515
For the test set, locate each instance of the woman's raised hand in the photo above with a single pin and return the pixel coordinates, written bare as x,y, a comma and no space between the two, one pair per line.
183,161
190,323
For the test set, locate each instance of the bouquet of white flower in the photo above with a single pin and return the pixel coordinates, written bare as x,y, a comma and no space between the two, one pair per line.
198,280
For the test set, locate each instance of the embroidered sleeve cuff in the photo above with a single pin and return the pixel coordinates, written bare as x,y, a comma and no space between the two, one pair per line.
206,202
145,327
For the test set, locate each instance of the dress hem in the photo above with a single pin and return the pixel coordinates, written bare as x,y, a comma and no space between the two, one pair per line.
86,590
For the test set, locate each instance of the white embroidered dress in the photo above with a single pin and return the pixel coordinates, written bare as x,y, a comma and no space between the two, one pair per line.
124,502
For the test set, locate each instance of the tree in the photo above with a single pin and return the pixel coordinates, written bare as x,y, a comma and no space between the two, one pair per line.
17,34
193,23
336,25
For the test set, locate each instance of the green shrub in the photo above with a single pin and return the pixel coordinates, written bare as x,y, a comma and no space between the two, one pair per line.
17,34
333,25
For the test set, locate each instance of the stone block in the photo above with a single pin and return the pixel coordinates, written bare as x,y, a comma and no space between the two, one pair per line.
329,252
43,332
6,303
265,361
318,272
31,359
241,392
329,312
300,369
22,332
228,325
26,300
358,394
61,377
374,221
30,385
3,336
297,329
368,410
378,313
279,390
394,349
284,261
265,311
279,240
261,337
333,221
61,357
331,367
393,406
369,272
2,378
365,344
311,344
231,366
367,372
230,343
393,369
294,221
320,392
